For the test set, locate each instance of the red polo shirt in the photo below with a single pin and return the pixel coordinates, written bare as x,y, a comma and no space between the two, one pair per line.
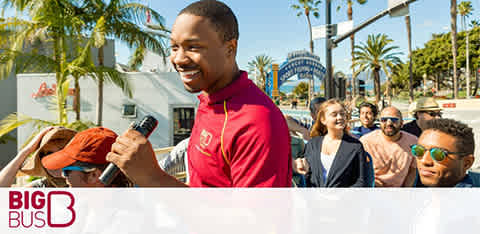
240,139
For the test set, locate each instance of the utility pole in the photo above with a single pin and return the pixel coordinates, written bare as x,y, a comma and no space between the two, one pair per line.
328,61
410,67
468,66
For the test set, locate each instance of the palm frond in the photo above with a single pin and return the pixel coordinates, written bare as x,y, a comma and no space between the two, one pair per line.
6,138
376,54
137,13
80,125
15,120
137,58
134,37
25,62
99,33
119,79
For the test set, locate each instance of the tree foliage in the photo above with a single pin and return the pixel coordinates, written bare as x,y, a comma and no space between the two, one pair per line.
49,36
301,90
375,55
258,68
465,10
435,59
307,7
122,20
352,37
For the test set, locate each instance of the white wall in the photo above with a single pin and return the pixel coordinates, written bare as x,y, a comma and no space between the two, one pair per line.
155,62
153,93
8,91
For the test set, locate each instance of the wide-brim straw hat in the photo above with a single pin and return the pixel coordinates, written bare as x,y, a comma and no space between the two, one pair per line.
411,108
427,104
59,136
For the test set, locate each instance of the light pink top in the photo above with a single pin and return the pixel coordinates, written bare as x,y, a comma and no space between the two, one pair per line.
391,160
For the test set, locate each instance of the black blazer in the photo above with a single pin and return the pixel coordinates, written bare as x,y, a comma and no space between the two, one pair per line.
351,167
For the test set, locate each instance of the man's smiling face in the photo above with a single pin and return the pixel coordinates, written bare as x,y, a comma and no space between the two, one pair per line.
447,172
199,54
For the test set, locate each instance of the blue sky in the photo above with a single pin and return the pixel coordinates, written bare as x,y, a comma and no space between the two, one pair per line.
271,27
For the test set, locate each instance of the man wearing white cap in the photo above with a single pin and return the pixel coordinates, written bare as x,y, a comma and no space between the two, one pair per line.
426,109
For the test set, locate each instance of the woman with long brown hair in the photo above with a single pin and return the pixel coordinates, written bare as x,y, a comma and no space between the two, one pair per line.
333,158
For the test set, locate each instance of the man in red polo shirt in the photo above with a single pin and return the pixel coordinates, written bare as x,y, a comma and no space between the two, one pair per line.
240,138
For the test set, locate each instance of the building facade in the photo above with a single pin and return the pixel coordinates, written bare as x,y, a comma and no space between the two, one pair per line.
9,87
161,95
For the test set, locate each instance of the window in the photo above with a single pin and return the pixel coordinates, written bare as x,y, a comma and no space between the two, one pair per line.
183,119
129,110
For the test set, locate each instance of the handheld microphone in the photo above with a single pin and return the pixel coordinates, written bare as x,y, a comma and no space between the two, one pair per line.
145,127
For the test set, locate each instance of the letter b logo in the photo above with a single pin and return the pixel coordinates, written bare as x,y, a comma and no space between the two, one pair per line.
69,209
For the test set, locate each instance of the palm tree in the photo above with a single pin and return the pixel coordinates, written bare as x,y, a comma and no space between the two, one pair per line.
376,55
410,70
352,39
453,20
393,71
301,90
465,10
52,21
53,25
259,67
475,24
121,19
305,7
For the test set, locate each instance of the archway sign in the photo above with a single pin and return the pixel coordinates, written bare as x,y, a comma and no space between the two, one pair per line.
301,63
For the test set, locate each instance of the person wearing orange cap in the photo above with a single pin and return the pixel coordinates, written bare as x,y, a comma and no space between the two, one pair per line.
49,140
84,158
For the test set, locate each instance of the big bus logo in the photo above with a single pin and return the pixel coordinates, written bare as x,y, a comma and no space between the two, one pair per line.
29,209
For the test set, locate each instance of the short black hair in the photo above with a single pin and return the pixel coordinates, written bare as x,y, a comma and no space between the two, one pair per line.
219,14
465,141
317,100
371,106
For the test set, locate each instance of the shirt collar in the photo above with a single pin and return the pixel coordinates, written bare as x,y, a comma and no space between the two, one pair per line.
373,127
230,90
467,182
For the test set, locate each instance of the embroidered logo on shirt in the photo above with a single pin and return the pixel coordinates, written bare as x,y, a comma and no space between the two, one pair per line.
203,152
205,138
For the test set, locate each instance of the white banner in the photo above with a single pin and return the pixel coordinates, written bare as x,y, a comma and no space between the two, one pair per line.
319,32
344,27
250,211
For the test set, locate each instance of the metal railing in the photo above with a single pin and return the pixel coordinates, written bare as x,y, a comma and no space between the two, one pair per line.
176,167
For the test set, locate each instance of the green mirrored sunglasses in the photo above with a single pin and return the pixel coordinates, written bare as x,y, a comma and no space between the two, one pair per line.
437,154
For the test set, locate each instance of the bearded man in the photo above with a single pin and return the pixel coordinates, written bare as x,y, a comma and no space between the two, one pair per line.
389,147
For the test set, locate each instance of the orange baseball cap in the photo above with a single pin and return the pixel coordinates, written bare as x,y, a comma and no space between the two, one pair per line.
90,146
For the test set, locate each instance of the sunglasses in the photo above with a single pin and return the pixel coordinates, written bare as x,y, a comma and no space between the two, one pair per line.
433,113
437,154
393,119
66,170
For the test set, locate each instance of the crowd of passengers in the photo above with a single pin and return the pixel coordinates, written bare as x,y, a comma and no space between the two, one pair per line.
426,152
